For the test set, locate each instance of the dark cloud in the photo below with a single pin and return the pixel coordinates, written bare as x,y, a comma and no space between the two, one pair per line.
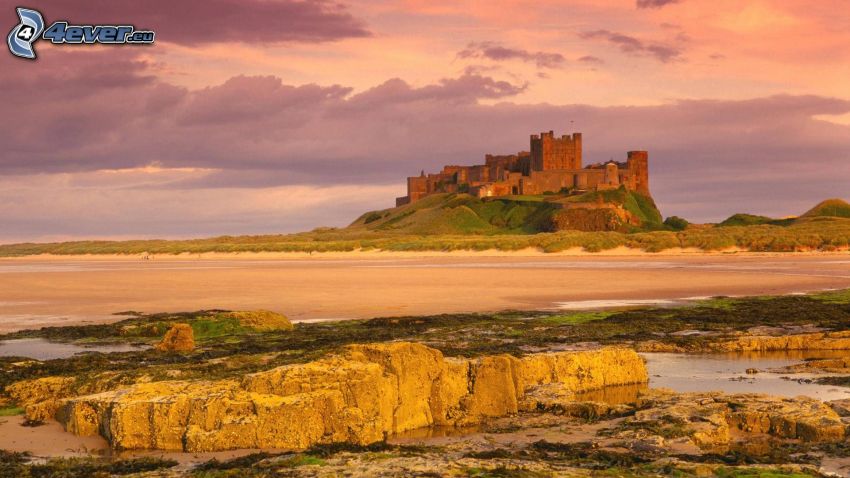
496,52
633,46
655,3
591,60
708,158
193,22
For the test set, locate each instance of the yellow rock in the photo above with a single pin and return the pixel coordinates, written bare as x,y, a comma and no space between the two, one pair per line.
263,320
760,343
359,396
179,338
41,397
707,418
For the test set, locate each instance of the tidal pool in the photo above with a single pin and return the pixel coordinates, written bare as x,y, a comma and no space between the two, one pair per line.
41,349
727,373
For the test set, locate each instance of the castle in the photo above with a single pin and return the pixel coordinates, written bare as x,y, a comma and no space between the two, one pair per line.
553,165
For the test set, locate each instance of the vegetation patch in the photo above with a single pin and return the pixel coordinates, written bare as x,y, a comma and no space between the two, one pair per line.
11,411
19,465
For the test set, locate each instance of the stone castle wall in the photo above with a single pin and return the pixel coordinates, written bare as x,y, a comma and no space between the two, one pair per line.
552,165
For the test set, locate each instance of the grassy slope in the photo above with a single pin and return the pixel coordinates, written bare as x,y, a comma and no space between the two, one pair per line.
464,214
460,214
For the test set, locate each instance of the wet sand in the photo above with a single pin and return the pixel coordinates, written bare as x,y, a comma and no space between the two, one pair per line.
47,440
70,290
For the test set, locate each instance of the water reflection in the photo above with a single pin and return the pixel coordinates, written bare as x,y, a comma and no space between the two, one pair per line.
613,395
41,349
728,373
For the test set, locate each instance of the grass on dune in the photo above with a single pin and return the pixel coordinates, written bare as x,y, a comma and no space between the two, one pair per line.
824,234
460,222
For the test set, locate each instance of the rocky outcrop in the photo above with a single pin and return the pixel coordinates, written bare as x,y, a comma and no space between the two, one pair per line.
179,338
262,320
710,420
593,217
757,343
830,365
41,397
359,396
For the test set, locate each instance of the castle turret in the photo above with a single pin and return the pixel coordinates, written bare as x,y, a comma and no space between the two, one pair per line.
612,174
638,164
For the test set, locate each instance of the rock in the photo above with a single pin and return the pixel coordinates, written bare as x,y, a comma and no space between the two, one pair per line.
262,320
751,371
841,407
813,341
179,338
651,346
358,396
41,397
757,343
708,418
592,217
838,365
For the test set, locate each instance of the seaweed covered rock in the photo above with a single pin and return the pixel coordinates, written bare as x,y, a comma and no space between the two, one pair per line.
358,396
262,320
179,338
41,397
839,340
708,419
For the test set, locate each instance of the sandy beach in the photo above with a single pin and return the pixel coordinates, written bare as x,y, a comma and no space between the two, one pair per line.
59,290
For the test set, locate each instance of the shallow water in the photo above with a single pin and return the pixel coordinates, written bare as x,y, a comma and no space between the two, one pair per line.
617,303
41,349
727,373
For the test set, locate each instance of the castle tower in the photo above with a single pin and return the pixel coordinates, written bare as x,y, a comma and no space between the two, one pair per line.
549,152
612,174
638,164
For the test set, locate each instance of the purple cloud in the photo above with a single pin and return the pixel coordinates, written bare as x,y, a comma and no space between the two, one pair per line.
708,158
591,60
496,52
633,46
194,22
655,3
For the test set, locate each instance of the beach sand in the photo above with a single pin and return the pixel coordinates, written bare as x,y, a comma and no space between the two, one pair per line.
62,290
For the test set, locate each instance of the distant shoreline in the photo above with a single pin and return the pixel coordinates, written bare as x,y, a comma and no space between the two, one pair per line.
621,251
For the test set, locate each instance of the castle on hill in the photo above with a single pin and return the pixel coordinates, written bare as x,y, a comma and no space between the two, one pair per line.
553,165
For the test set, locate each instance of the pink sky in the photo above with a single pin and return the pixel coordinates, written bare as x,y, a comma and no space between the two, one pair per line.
276,115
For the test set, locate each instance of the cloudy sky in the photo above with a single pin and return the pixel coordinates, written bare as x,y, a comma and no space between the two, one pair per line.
265,116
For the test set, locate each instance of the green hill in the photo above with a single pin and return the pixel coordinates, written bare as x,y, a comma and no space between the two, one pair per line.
743,219
465,214
829,208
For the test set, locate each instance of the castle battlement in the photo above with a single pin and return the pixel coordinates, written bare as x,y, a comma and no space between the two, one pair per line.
552,164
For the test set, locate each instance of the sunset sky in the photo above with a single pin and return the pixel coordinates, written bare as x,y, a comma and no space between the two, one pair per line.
266,116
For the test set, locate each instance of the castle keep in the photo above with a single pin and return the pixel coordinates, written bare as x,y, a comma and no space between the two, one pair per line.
551,165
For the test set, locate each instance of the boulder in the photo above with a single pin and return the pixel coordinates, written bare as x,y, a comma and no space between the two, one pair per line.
179,338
